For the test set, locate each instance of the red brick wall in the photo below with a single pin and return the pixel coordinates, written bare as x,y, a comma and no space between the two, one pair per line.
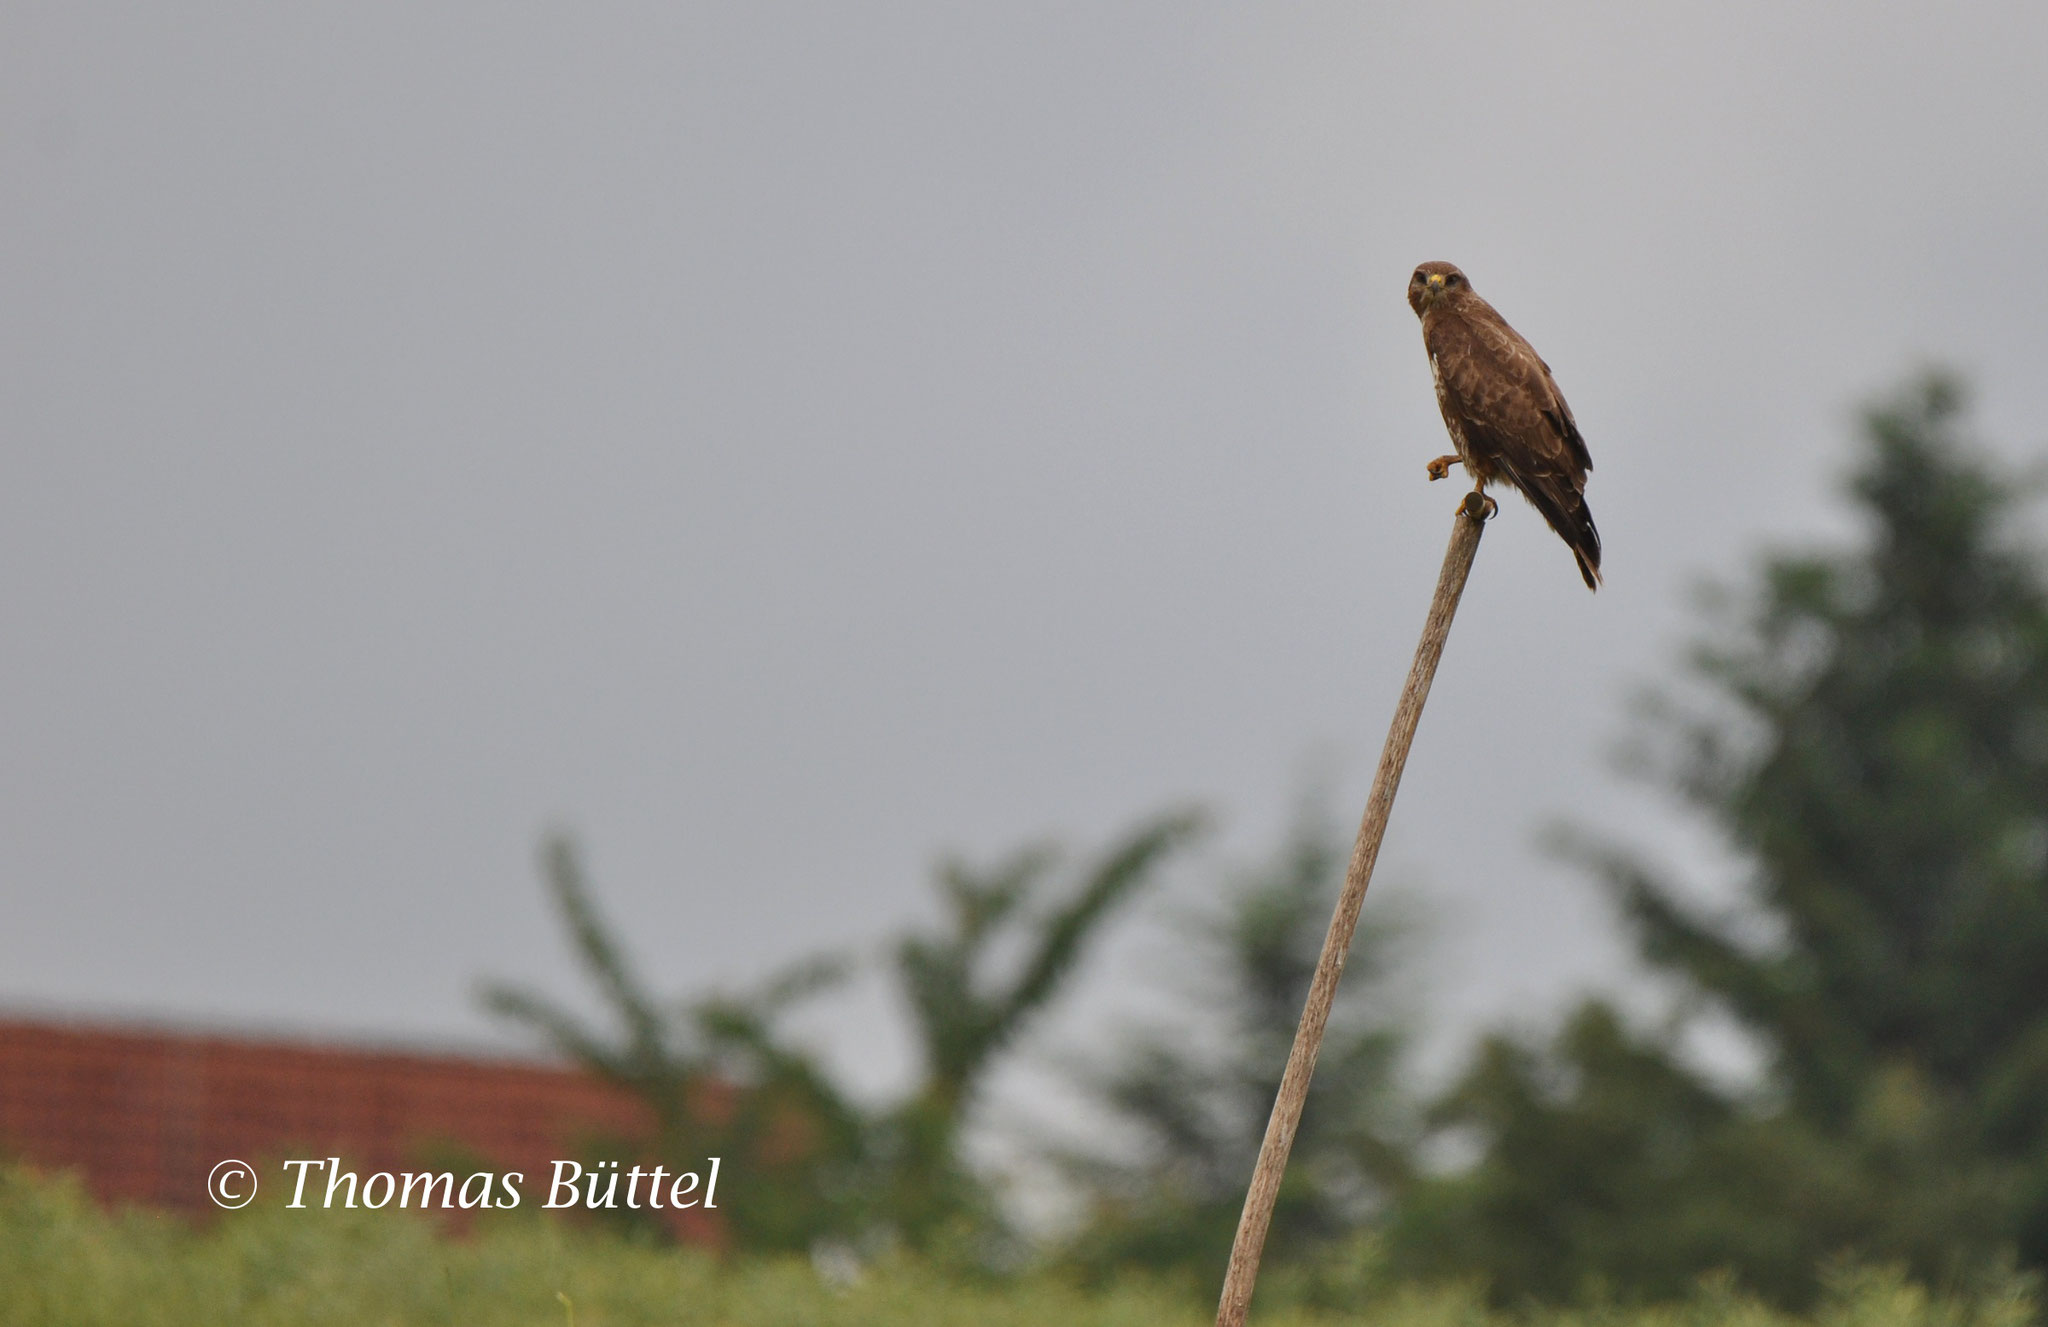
144,1114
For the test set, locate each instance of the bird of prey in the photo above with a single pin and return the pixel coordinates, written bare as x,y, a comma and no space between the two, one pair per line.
1506,417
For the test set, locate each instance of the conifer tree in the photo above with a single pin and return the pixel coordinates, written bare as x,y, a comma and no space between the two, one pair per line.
1868,729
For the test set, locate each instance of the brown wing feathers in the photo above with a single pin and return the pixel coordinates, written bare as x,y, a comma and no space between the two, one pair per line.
1564,507
1576,527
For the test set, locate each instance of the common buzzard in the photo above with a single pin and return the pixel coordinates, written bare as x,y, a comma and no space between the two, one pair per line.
1506,417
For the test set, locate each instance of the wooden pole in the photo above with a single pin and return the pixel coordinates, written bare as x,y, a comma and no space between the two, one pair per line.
1466,527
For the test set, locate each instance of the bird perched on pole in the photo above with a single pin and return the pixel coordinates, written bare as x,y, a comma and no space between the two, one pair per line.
1506,417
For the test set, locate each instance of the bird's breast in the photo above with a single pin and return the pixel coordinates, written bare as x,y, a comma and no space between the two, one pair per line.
1443,404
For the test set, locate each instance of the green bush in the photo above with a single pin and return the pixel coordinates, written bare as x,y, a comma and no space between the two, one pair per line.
64,1262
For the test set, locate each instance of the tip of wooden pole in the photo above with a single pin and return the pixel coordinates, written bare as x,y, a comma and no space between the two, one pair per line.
1475,507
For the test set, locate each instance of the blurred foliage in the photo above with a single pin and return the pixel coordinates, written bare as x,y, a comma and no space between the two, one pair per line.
722,1077
966,1010
718,1076
1195,1098
64,1262
1609,1169
1881,755
1869,730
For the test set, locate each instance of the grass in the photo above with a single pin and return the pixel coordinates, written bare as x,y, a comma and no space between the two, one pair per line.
64,1262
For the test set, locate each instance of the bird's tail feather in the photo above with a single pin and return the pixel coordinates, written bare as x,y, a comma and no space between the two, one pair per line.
1589,570
1585,542
1567,513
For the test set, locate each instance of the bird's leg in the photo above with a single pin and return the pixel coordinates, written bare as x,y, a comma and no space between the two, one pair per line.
1440,468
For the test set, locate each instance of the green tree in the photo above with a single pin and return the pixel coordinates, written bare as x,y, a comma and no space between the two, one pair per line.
721,1077
1869,730
717,1075
1194,1098
1881,759
1609,1169
965,1010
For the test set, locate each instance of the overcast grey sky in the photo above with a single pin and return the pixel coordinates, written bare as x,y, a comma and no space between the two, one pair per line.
783,442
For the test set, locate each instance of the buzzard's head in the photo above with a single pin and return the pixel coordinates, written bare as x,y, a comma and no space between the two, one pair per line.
1433,283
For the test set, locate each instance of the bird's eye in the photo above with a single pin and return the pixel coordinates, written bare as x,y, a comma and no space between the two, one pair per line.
1454,278
1419,278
